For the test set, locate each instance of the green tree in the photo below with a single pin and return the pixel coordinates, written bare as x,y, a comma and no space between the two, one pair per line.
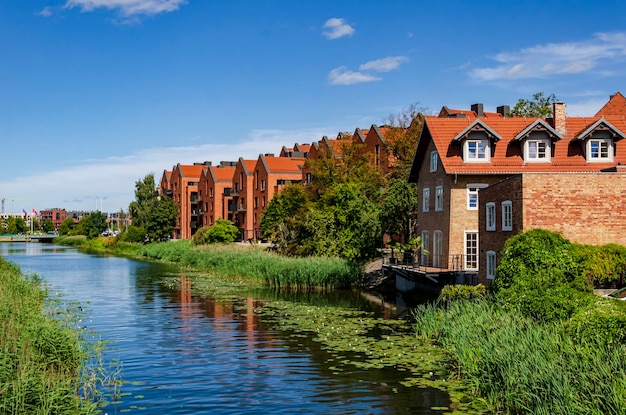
67,226
222,231
152,212
399,207
93,224
406,127
47,226
16,225
539,106
283,213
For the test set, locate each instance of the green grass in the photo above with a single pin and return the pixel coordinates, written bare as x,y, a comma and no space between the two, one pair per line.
258,264
520,366
41,356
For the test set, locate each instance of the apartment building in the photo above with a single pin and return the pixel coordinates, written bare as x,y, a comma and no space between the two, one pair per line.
214,190
271,174
184,182
241,194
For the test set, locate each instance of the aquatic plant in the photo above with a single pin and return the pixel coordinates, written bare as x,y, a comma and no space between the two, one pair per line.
42,354
258,264
524,367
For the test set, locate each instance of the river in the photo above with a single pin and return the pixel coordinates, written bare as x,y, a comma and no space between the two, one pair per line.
182,354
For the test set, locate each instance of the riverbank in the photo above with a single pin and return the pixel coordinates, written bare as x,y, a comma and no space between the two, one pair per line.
41,355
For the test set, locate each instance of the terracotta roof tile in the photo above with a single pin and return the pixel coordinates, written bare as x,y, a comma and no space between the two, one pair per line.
191,170
507,157
284,164
615,106
224,173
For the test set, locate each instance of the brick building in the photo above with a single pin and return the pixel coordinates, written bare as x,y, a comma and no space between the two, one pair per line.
242,197
56,215
214,190
458,154
184,184
271,174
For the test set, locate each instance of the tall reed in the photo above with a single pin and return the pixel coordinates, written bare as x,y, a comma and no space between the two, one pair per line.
41,357
254,263
520,366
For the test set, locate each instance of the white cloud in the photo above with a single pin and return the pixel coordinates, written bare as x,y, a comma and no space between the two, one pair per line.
385,64
45,12
112,180
541,61
343,76
127,7
337,28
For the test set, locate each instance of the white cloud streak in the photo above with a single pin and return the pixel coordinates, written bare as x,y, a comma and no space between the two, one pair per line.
112,179
127,8
337,28
384,65
343,76
542,61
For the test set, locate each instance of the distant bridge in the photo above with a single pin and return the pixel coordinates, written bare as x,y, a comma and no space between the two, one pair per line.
44,238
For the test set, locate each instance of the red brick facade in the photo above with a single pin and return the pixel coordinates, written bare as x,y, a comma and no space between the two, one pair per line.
583,207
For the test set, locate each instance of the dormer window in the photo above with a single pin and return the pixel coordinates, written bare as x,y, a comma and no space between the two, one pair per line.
599,149
599,141
477,140
537,150
477,150
536,140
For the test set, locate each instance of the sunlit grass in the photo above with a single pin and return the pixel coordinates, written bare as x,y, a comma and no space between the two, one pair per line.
521,366
258,264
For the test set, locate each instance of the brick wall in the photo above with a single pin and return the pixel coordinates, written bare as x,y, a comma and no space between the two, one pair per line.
584,207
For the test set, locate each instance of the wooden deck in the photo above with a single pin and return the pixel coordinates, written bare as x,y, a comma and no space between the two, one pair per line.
411,275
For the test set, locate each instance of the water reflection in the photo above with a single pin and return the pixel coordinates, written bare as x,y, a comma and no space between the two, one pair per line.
182,354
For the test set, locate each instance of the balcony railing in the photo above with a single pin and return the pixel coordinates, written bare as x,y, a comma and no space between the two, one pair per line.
425,262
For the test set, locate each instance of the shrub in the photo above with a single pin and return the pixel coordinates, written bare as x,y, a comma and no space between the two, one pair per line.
222,232
540,276
133,234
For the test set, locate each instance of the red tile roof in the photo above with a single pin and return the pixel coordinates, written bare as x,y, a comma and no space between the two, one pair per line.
283,164
615,106
447,112
507,158
224,173
191,170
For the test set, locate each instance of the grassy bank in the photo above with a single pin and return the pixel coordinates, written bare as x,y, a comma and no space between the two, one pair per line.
257,264
41,357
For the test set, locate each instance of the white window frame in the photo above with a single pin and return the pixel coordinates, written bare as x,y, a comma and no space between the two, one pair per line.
477,151
433,161
424,248
507,215
439,198
437,248
537,154
426,199
470,247
472,190
490,216
491,264
597,155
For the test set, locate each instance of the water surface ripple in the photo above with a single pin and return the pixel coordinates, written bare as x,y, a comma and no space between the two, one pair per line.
185,355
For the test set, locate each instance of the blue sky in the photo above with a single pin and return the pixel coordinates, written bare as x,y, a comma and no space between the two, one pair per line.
95,94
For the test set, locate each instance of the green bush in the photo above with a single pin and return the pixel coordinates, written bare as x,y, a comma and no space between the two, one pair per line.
222,232
603,265
603,321
132,234
540,276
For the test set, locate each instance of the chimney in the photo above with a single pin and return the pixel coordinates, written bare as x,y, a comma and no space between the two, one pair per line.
478,109
503,110
558,116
